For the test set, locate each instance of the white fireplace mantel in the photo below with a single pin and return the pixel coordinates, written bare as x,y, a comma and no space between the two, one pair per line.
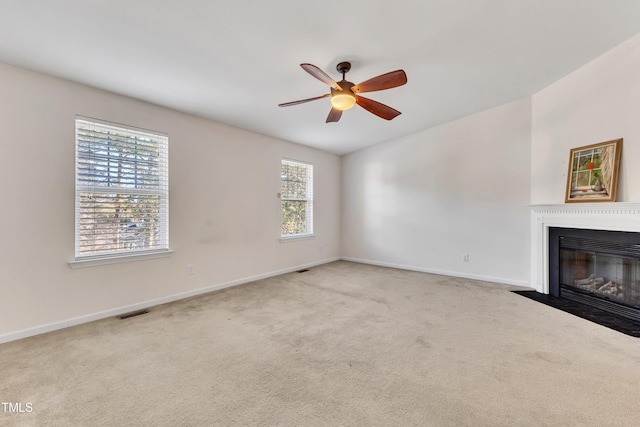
595,216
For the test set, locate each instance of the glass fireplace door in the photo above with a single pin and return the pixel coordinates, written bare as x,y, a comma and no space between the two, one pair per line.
612,277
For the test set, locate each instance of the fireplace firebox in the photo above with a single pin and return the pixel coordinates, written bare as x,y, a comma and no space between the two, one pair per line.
597,268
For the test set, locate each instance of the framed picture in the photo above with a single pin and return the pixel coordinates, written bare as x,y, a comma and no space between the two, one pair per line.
593,172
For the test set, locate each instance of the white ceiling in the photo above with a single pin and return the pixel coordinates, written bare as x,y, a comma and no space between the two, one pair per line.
233,61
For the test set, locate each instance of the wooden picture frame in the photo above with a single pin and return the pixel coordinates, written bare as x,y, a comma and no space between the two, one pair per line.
593,172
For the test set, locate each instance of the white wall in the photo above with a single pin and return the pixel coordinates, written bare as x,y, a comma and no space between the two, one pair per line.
463,187
596,103
224,214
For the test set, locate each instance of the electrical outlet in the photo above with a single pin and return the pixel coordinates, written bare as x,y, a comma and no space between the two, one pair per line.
465,257
190,269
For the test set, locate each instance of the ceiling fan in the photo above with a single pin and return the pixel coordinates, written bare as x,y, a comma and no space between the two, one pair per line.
344,94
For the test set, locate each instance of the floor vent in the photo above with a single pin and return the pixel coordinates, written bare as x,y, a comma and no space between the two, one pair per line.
134,314
302,271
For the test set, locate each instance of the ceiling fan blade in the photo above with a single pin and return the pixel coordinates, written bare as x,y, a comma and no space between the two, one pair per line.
382,82
334,115
302,101
377,108
320,75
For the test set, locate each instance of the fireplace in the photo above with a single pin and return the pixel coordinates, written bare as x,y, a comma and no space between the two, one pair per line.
595,244
599,268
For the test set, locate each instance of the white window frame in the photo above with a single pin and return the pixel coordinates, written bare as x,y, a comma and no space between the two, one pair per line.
160,244
308,200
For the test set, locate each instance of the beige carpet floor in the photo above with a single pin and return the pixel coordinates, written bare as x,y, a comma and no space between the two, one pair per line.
343,344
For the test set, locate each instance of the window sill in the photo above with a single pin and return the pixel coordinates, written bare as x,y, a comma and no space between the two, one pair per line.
116,259
293,237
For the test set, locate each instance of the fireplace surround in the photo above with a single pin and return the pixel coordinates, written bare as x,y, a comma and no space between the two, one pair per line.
593,216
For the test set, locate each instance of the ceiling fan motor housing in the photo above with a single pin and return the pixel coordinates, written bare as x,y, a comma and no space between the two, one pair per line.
345,85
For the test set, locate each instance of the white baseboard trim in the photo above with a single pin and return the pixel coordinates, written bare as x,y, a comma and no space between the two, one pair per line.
441,272
38,330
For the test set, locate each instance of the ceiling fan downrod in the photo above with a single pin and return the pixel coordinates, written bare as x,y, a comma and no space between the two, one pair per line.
343,68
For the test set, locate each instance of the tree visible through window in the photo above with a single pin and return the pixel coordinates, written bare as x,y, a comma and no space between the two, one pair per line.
122,189
296,198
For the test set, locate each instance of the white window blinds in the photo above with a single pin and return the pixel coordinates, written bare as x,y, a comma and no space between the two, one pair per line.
296,198
122,190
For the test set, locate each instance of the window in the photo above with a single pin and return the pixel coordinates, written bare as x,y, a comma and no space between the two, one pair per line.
122,190
296,198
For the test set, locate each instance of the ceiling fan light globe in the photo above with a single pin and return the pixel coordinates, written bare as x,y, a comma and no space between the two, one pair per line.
343,101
